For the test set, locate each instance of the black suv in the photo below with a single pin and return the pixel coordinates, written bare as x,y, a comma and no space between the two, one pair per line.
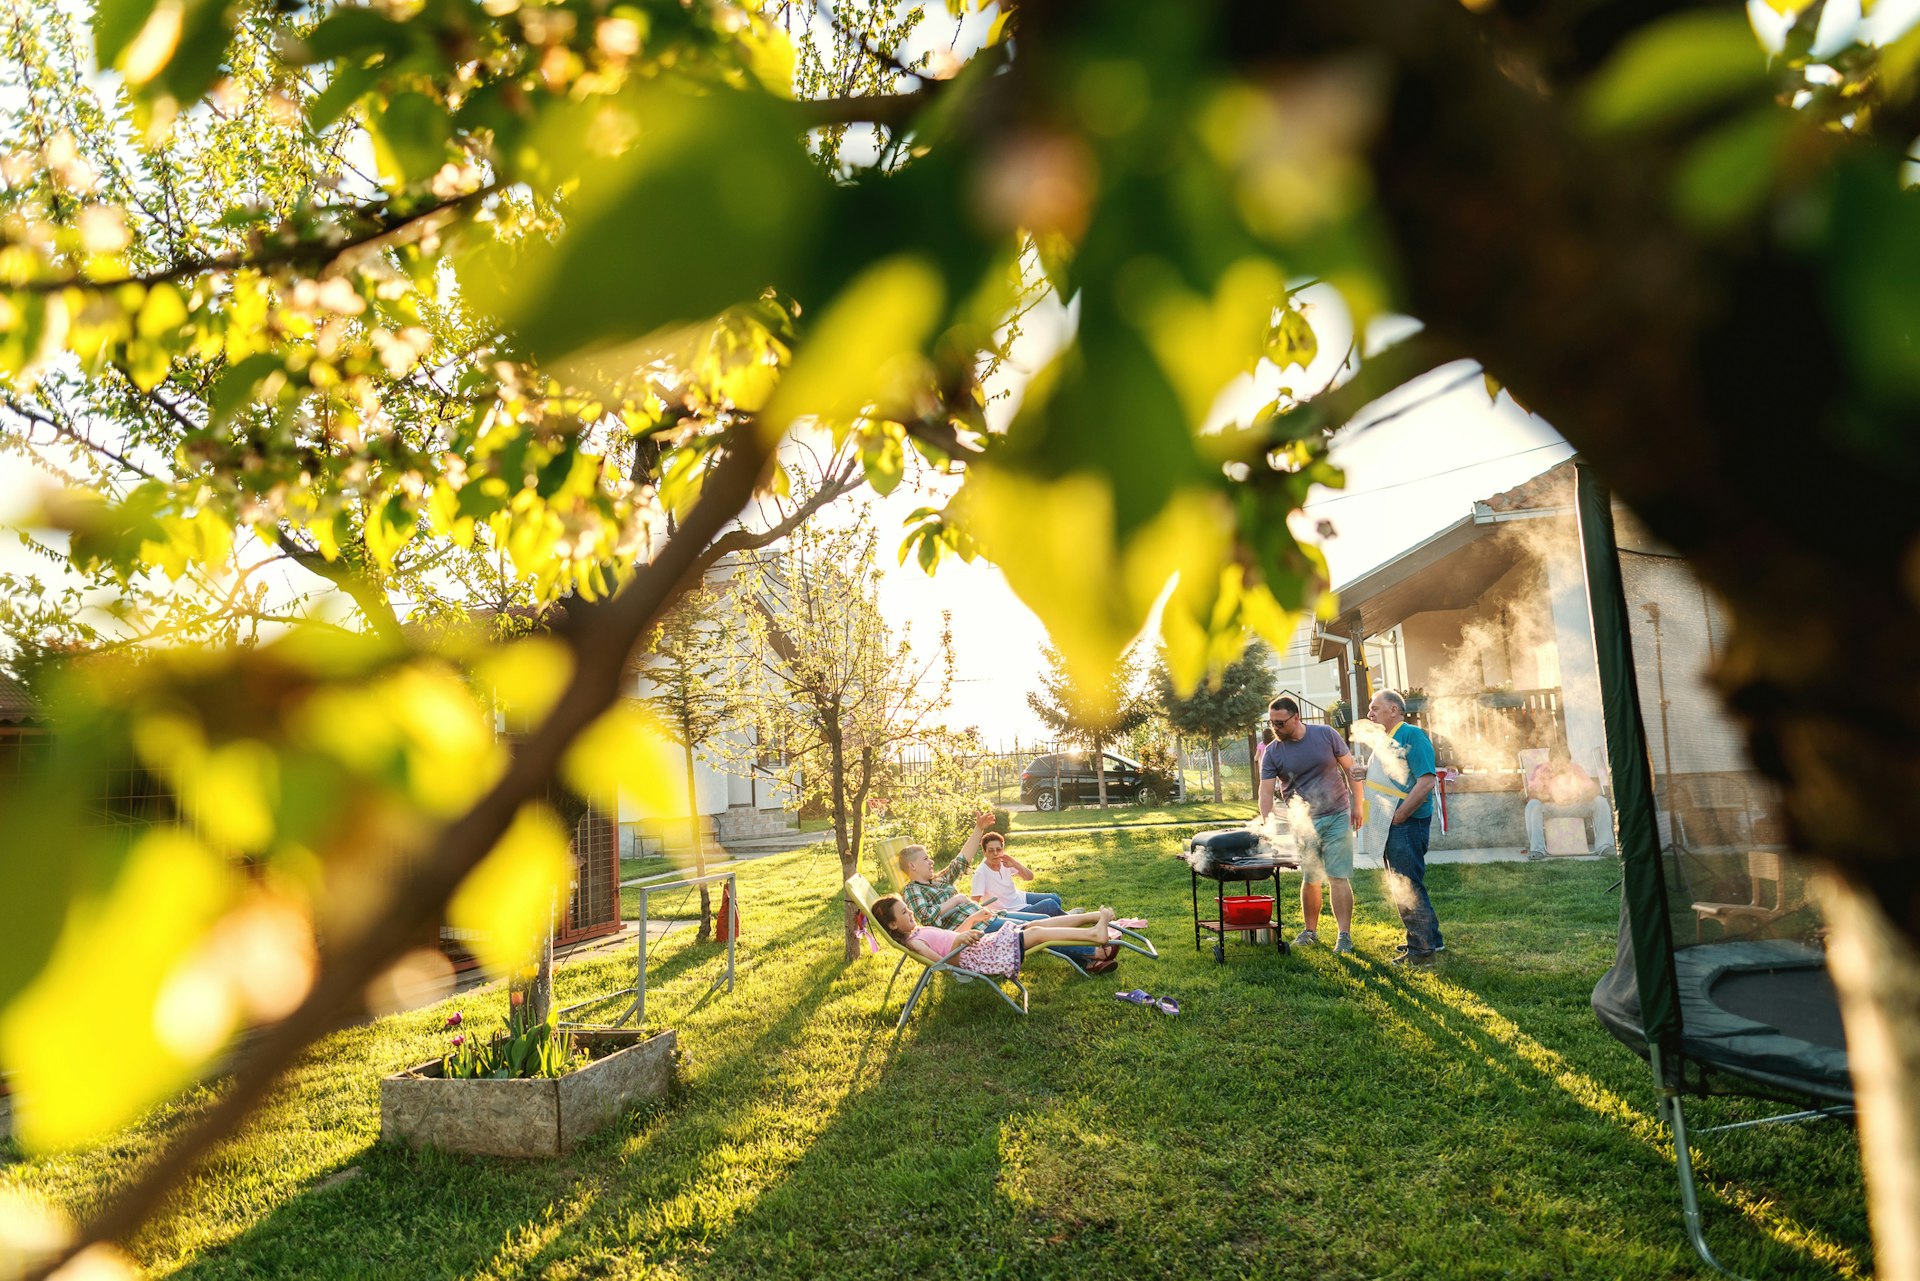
1067,778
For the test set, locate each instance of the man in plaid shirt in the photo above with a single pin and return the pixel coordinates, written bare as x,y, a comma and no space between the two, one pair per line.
931,895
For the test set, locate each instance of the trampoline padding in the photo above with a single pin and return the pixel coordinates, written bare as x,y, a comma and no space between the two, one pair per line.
1764,1009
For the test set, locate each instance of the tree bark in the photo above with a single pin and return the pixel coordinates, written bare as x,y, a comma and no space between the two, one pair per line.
843,827
1877,970
1213,744
699,848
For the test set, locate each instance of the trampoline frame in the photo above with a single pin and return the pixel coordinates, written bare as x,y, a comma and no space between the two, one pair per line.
1645,889
1673,1116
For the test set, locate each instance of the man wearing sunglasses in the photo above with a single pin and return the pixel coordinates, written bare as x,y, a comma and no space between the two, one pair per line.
1311,767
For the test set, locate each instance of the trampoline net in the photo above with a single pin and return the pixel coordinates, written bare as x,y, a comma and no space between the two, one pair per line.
1729,874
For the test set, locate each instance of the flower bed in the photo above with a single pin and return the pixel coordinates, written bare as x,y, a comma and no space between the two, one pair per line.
527,1117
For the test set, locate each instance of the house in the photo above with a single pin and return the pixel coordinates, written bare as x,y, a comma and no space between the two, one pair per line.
736,796
1485,626
23,726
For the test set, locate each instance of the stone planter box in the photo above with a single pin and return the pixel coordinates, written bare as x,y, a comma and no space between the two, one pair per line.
545,1117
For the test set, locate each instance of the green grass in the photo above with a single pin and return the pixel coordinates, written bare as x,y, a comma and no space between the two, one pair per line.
1129,815
651,865
1317,1116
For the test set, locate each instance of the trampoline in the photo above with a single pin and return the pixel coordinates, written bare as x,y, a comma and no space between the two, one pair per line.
1719,977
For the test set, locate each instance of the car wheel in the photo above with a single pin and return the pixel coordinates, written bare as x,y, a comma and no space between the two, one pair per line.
1144,796
1046,799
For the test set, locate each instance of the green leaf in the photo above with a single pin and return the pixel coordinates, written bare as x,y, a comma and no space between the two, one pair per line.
348,85
236,388
1293,341
712,201
115,24
355,33
390,525
507,900
1676,68
884,456
1727,175
410,136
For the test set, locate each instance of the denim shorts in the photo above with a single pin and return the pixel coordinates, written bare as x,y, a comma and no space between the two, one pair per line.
1328,854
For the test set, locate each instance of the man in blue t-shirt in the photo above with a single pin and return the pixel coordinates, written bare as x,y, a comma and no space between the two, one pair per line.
1311,768
1410,776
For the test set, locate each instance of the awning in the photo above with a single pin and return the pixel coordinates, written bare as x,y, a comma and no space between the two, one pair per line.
1450,570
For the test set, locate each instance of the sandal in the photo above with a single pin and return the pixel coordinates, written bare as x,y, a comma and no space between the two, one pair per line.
1106,966
1136,997
1167,1006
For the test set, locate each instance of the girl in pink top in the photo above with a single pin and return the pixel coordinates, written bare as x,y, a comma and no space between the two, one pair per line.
998,953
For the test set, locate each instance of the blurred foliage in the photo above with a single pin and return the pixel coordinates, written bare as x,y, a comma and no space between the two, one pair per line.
356,339
1096,713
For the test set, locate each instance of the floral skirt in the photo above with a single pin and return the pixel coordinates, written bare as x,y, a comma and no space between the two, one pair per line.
998,953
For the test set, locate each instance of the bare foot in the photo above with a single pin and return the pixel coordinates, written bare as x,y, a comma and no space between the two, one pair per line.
1106,916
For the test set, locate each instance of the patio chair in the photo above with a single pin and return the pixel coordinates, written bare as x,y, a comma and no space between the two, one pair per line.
861,891
1768,899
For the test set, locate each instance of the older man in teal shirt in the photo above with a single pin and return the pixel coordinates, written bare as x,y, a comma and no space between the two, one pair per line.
1406,853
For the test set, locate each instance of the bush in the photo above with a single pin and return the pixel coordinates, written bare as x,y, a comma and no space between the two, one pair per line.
935,805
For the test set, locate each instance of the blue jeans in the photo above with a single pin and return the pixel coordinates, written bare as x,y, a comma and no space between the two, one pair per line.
1078,951
1406,859
1043,905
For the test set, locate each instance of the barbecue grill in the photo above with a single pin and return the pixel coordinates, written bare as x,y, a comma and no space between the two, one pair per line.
1241,857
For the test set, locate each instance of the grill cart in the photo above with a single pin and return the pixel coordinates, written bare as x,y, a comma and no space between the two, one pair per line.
1240,857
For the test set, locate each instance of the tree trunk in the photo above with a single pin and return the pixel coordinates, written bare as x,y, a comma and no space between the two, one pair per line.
1213,746
530,992
1253,762
699,850
1877,970
843,829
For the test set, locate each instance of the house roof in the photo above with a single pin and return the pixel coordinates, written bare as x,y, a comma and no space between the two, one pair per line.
17,706
1450,569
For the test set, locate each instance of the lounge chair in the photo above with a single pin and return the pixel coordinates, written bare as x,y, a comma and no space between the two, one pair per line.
863,896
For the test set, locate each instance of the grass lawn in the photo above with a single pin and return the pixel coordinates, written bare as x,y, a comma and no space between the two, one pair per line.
651,865
1123,815
1316,1116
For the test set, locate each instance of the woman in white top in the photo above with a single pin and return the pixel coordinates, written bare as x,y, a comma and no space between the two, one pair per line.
994,882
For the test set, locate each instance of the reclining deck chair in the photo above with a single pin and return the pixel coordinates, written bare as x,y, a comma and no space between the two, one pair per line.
887,847
863,896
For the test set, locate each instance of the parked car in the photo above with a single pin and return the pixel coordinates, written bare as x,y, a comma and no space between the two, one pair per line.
1067,778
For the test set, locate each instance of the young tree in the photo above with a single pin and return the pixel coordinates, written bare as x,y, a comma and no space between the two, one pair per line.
832,687
1092,713
688,662
1228,708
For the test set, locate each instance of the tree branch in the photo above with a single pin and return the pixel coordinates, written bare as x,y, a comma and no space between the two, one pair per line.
600,637
740,540
310,253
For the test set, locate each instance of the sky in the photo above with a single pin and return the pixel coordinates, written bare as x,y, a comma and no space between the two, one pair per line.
1416,461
